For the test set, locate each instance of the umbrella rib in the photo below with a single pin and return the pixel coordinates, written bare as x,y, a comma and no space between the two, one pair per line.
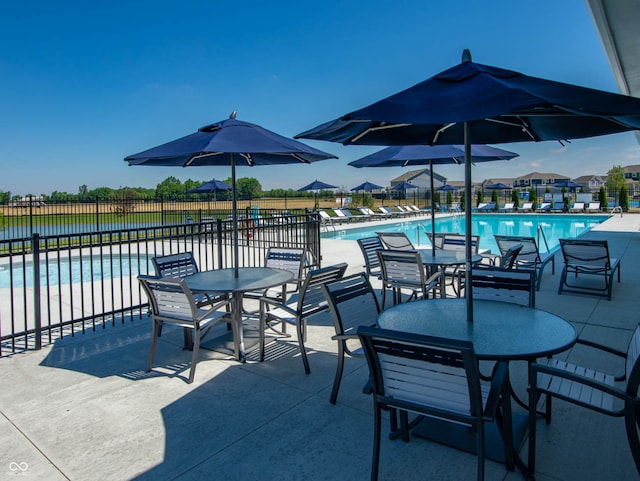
442,129
200,155
374,129
523,125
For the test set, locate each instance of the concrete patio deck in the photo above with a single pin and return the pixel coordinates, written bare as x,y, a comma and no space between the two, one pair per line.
85,409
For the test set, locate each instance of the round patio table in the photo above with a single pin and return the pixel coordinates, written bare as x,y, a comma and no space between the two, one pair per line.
249,279
445,258
499,331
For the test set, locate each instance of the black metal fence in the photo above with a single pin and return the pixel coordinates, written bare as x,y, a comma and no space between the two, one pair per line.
60,285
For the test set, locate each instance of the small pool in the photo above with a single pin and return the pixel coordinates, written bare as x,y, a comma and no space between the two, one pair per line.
74,270
561,226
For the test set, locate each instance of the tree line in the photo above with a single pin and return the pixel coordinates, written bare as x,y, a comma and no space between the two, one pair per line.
170,188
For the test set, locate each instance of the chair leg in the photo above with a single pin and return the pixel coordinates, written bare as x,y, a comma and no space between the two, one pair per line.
632,425
339,370
303,351
154,342
196,350
375,462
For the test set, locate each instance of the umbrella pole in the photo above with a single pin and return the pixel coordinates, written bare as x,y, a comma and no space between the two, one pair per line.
234,216
433,213
468,291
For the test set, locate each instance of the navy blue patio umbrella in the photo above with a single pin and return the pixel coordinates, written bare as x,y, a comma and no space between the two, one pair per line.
569,184
499,186
212,186
448,187
229,142
366,186
477,103
410,155
317,186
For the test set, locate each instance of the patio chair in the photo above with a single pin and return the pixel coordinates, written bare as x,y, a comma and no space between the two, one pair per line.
526,207
438,380
352,303
403,269
395,240
457,242
181,265
507,207
577,207
438,241
529,257
488,207
599,391
290,259
171,302
515,286
593,207
587,257
370,247
481,206
310,300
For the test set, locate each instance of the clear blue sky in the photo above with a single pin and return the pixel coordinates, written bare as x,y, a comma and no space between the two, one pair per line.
84,84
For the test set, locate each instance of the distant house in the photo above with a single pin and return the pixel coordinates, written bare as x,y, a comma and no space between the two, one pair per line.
498,180
420,178
632,172
539,180
591,183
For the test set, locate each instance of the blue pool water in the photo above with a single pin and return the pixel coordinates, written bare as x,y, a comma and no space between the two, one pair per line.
74,270
555,227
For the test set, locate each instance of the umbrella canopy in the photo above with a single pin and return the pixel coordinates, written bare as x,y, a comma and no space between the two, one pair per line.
567,184
498,186
212,186
447,187
474,102
410,155
230,142
317,185
366,186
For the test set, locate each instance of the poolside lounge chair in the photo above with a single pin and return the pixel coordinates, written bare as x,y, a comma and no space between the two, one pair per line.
557,207
526,207
415,208
481,206
355,218
544,207
577,207
593,207
405,211
587,257
488,207
371,214
508,207
340,214
388,211
529,256
326,219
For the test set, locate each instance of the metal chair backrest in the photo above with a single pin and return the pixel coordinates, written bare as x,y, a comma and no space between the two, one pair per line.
528,255
508,259
170,300
402,268
395,240
370,247
287,258
515,286
352,303
438,240
175,265
457,242
424,374
311,298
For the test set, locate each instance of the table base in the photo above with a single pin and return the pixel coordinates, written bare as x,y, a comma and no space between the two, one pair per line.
460,437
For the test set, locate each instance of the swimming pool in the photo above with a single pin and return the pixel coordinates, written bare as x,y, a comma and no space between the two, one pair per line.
73,270
555,227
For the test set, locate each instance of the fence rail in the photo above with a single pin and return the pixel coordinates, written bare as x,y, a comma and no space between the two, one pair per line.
61,285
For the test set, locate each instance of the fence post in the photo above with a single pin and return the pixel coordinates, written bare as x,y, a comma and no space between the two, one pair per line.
30,215
35,249
97,215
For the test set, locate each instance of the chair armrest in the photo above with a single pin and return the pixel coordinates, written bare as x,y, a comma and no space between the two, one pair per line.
215,308
553,371
606,349
277,304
